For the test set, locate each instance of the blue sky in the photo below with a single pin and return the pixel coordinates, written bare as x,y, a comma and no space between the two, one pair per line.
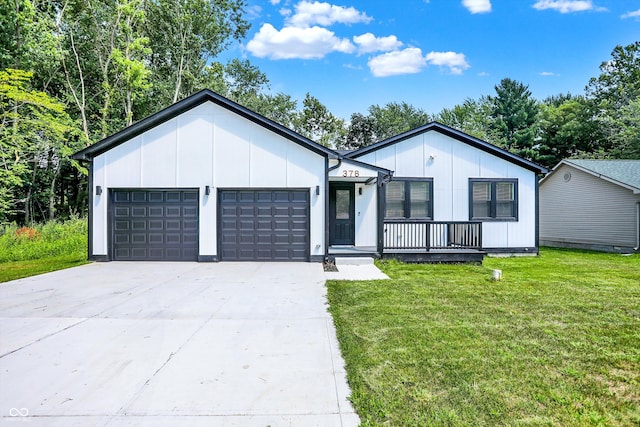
433,54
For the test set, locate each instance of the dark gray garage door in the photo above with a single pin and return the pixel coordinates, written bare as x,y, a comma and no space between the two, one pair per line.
154,225
264,225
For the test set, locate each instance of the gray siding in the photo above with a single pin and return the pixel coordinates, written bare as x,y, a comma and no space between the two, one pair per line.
587,210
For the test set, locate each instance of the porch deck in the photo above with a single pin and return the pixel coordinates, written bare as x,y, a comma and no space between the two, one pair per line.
423,242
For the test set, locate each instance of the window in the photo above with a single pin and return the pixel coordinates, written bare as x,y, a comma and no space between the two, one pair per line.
493,199
409,199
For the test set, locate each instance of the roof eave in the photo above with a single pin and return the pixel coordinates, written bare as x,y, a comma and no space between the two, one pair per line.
456,134
568,162
187,104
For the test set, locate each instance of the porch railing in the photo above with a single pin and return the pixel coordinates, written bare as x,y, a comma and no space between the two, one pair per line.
427,235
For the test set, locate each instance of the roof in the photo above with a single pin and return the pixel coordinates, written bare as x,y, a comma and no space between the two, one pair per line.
455,134
625,173
187,104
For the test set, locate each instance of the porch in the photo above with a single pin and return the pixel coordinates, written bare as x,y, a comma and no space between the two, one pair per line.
423,241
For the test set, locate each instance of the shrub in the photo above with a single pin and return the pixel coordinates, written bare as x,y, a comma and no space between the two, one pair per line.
51,239
27,233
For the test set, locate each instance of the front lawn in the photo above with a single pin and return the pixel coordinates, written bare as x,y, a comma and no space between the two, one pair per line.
27,251
555,343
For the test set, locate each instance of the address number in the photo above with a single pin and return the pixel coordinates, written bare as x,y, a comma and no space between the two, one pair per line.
350,173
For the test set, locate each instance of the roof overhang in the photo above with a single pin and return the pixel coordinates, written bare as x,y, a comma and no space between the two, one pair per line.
455,134
187,104
567,162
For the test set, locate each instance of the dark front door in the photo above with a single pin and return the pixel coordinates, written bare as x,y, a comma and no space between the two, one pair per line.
342,225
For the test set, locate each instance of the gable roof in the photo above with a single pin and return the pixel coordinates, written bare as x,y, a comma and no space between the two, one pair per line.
187,104
455,134
625,173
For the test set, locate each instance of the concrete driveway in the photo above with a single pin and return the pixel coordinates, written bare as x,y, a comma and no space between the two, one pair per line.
171,344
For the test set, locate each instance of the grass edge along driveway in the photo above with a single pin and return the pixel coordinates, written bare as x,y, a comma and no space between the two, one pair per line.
556,342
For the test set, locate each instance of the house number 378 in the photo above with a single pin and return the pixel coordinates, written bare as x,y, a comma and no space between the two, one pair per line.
350,173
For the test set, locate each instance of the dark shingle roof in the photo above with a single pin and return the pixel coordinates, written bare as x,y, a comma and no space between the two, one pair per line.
626,172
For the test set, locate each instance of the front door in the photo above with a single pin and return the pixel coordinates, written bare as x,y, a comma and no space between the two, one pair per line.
342,209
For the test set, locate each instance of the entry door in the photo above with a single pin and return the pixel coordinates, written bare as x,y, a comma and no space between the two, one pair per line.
342,225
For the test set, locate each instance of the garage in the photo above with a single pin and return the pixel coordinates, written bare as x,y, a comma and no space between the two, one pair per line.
154,225
263,225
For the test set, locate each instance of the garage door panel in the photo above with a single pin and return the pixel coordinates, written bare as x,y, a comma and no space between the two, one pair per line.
263,224
154,224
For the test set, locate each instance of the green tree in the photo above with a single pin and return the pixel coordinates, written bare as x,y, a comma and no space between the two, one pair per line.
317,123
471,117
567,129
514,115
185,35
36,137
360,133
614,95
626,141
397,117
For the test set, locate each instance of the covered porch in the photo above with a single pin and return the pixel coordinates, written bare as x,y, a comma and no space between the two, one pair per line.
357,227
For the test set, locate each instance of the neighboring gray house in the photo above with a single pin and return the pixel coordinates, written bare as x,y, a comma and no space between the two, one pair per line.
591,204
209,180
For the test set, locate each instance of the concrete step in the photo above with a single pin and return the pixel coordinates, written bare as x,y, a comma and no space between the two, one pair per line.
354,261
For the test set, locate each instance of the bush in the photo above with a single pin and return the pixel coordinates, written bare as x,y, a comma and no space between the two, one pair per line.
51,239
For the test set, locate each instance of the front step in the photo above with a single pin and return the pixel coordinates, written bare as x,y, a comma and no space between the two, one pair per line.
353,261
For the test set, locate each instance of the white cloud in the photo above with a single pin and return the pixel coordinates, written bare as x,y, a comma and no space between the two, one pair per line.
274,2
567,6
547,74
253,12
634,14
483,74
407,61
368,43
477,6
300,43
456,62
325,14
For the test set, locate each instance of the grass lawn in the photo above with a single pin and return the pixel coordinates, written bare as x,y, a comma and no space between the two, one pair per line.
12,270
27,251
555,343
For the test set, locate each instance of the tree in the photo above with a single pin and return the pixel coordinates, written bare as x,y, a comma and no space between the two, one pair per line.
361,132
619,81
36,138
318,124
514,114
615,94
471,117
567,129
185,35
395,118
626,141
382,123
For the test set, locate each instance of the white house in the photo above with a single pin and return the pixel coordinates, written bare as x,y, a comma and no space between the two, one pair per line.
209,180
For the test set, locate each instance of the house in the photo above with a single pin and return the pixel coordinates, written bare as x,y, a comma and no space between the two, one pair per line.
209,180
591,204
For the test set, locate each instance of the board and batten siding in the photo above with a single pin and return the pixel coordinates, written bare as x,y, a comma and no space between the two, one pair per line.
209,146
451,163
587,210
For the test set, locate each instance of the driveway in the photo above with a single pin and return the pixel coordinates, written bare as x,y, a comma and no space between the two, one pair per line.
171,344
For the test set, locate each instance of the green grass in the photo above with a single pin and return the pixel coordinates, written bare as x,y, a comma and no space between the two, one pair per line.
555,343
42,248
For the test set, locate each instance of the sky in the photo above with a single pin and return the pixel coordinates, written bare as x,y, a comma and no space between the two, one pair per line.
433,54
